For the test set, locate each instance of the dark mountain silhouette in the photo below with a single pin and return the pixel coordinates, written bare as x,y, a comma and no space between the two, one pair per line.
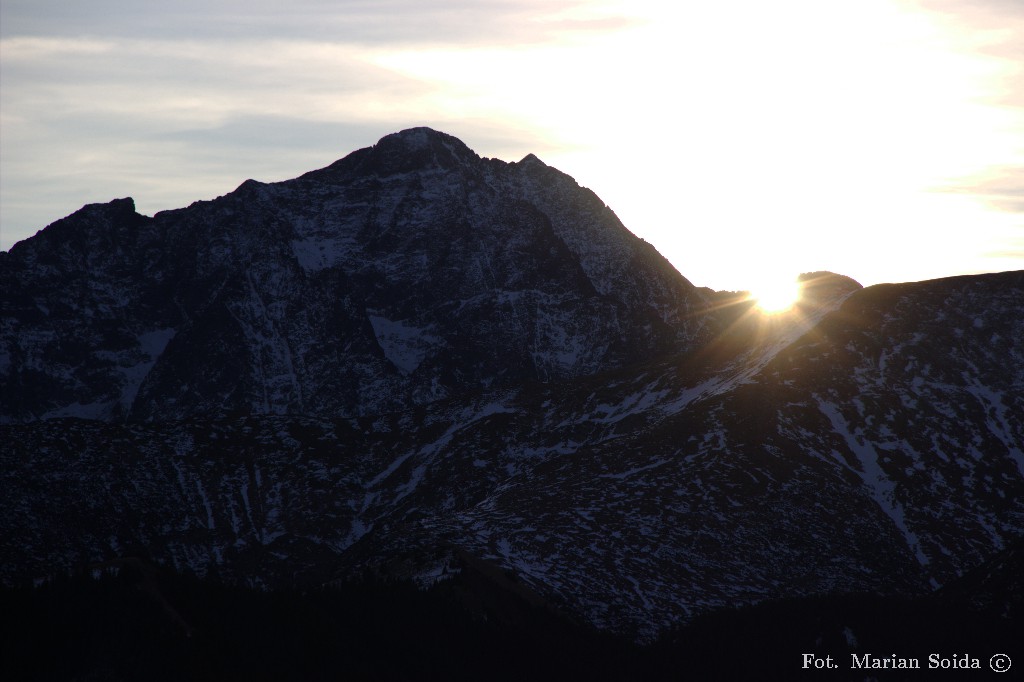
402,274
419,363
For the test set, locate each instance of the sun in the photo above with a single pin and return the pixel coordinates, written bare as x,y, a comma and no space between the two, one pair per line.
776,296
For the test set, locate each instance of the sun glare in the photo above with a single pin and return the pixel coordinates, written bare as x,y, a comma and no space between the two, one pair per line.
776,297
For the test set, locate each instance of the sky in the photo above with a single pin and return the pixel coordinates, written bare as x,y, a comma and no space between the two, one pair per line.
747,141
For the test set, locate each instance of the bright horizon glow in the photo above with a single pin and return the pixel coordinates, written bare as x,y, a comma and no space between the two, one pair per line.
882,140
776,296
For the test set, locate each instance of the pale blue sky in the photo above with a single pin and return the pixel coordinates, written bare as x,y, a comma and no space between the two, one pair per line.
883,139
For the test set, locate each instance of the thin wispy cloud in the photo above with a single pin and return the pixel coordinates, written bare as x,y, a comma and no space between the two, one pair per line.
355,22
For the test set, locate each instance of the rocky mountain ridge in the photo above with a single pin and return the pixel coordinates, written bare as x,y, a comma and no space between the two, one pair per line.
415,358
400,274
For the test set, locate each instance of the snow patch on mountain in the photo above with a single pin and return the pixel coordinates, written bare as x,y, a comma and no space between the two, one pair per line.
405,345
878,483
996,418
319,253
99,410
152,344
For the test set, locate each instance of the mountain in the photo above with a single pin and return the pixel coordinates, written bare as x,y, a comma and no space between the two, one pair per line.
419,363
400,275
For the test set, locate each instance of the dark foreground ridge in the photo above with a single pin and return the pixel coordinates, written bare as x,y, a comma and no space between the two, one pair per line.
131,620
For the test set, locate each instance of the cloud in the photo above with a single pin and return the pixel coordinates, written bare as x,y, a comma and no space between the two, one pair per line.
990,27
354,22
974,11
1000,186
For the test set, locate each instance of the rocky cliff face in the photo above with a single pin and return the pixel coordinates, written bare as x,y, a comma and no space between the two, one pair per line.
399,275
416,358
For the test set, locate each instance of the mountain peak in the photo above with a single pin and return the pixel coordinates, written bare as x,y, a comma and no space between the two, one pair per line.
420,239
418,137
112,208
417,148
826,288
